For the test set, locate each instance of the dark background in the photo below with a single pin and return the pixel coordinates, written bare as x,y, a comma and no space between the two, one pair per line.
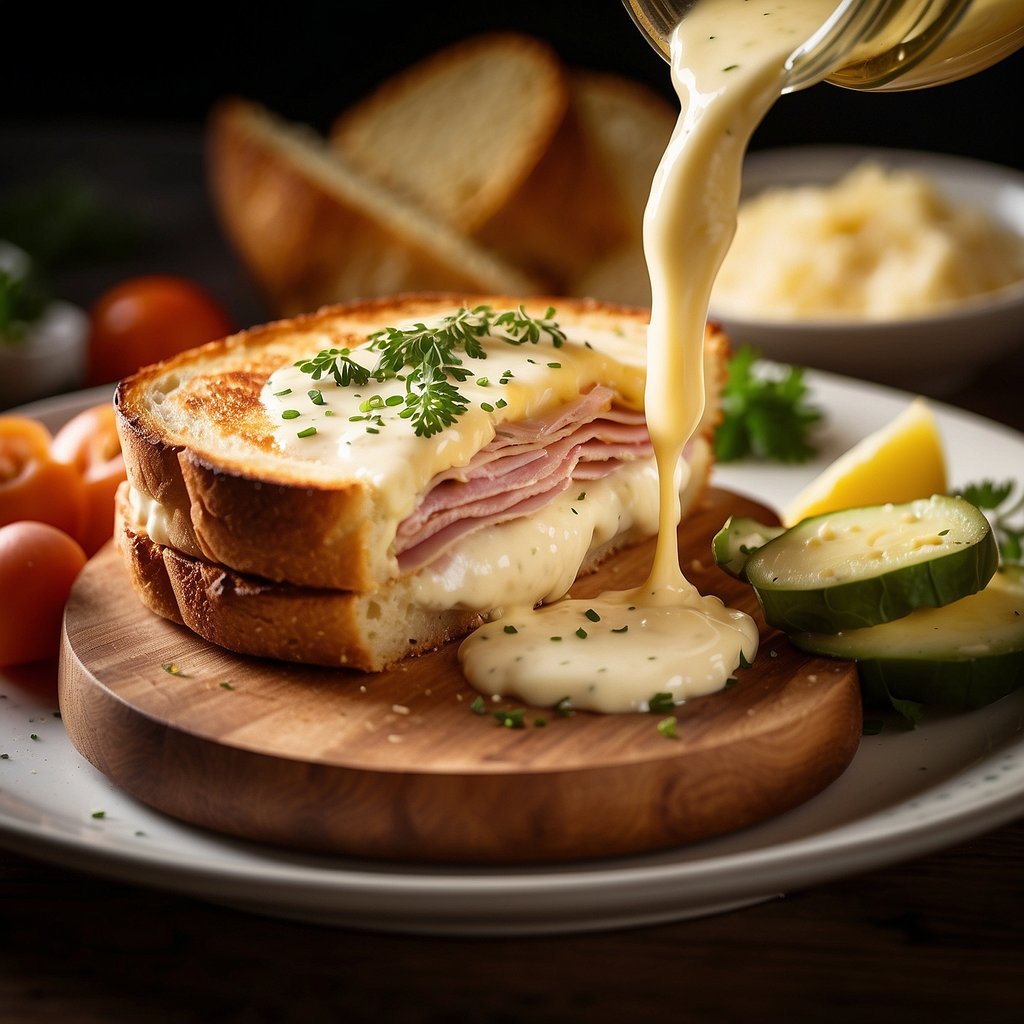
115,98
308,60
123,91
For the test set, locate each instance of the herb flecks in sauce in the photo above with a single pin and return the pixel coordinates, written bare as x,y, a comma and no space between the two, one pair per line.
431,362
688,226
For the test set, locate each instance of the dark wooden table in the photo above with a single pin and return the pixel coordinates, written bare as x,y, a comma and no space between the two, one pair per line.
939,938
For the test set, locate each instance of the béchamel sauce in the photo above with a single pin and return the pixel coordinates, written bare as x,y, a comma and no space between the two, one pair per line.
616,652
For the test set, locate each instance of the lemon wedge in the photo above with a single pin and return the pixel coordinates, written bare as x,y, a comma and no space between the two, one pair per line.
899,462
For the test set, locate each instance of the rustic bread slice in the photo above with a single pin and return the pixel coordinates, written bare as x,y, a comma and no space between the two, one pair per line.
211,479
629,125
254,616
311,229
318,626
483,135
460,131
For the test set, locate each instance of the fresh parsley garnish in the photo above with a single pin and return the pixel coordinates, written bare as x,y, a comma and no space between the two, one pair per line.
432,402
420,346
22,302
337,363
764,415
522,328
667,727
430,360
993,498
660,703
512,718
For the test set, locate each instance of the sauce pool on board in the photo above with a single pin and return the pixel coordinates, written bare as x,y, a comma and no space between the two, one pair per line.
616,652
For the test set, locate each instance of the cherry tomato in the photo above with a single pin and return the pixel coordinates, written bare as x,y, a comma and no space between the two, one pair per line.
89,442
38,564
145,319
33,485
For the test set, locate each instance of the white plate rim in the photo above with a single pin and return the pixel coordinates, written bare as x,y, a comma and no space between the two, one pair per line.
573,898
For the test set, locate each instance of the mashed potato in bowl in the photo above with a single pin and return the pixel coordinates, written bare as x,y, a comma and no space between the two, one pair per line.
881,244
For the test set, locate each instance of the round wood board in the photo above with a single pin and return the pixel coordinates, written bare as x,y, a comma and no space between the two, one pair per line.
397,765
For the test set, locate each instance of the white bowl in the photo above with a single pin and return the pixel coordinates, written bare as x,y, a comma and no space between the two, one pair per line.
50,358
929,354
49,361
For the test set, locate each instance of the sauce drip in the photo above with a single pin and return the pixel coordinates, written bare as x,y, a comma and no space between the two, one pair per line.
617,652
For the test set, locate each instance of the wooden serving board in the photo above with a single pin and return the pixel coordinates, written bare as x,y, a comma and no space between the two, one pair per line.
399,766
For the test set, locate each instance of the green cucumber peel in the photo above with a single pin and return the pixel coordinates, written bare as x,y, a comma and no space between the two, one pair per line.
961,656
926,554
737,540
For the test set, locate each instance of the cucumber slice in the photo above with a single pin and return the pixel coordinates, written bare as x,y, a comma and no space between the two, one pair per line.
737,540
961,656
863,566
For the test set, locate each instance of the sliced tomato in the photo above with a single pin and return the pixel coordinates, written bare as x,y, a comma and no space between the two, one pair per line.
90,443
33,484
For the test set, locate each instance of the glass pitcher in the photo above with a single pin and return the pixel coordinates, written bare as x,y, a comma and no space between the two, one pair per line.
880,45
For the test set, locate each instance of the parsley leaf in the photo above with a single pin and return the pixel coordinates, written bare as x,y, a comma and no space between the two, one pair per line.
337,363
429,359
22,301
992,497
432,402
765,416
660,703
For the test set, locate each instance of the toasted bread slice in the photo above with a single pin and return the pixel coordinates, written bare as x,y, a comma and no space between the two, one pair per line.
469,124
214,476
254,616
311,229
483,134
629,125
317,626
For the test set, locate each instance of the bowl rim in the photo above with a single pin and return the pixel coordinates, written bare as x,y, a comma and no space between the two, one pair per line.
822,162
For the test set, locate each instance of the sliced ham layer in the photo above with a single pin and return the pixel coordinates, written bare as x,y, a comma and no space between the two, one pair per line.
524,467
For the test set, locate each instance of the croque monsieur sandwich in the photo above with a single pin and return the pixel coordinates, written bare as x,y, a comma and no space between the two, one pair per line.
369,481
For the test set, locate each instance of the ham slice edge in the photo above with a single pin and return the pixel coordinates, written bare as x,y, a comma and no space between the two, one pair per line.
525,466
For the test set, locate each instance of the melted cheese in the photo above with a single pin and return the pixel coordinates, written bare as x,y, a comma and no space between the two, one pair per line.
364,438
537,558
729,66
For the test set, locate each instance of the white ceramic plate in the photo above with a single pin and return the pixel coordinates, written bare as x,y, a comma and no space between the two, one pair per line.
905,794
929,353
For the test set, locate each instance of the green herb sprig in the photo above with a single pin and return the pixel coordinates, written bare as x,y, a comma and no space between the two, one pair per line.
994,499
22,302
660,703
765,416
337,363
430,360
432,402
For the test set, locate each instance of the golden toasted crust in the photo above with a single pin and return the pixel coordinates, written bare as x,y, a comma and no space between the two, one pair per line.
494,146
475,118
312,230
252,616
317,626
226,495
